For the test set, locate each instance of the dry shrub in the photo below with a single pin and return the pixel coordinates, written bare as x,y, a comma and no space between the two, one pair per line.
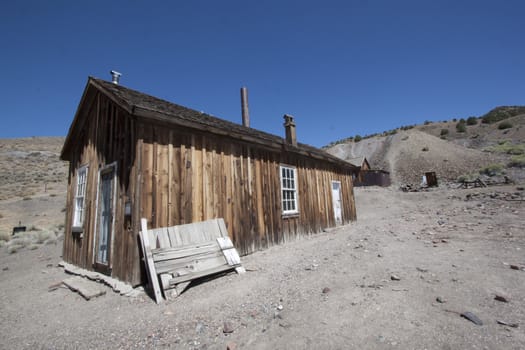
13,248
517,161
44,236
5,236
21,240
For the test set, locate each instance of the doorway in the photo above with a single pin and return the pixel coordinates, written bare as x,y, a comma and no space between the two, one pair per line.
337,202
105,218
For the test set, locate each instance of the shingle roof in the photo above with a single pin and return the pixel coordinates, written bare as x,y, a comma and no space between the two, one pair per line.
357,161
133,100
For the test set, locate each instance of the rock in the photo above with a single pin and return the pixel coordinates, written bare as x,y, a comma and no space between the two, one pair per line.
231,346
472,318
227,327
420,269
444,240
395,278
379,255
514,267
440,300
326,290
285,324
5,268
504,323
501,298
199,328
280,307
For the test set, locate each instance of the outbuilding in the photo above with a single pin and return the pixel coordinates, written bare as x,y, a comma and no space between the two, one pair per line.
134,156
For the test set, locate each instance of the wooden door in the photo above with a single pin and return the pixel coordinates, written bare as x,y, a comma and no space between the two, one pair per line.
336,199
105,216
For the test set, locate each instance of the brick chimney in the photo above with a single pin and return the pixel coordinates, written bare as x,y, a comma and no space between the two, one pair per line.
289,127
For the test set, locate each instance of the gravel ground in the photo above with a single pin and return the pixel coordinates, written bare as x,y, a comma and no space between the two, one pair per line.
398,278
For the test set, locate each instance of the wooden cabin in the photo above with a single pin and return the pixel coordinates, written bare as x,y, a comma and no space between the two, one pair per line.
134,156
362,165
365,176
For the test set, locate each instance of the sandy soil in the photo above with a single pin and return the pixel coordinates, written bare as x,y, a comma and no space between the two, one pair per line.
328,291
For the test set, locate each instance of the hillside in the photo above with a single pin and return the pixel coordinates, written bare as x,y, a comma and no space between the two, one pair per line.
408,154
32,183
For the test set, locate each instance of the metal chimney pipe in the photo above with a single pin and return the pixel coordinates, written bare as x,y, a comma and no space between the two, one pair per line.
115,76
244,107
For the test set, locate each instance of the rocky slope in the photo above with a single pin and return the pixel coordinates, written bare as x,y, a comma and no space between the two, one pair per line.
408,154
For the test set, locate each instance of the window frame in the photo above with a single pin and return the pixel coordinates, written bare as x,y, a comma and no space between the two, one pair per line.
79,201
289,204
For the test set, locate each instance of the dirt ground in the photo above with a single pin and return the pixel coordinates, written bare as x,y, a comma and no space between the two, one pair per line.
333,290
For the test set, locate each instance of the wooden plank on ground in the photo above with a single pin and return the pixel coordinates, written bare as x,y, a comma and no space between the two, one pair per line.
87,289
150,266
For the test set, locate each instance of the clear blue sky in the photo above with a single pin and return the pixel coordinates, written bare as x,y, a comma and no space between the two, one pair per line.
340,67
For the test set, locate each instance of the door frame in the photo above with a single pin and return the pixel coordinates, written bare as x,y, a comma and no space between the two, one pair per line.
340,201
106,269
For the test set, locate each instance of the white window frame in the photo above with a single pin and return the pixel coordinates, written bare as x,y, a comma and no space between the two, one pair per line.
80,198
289,193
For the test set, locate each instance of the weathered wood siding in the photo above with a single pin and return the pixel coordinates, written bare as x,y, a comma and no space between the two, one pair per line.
106,136
175,175
192,176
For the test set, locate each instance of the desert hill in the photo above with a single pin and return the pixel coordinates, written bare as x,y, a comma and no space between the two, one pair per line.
443,147
33,183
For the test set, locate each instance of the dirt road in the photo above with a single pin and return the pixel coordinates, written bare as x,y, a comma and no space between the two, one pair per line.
398,278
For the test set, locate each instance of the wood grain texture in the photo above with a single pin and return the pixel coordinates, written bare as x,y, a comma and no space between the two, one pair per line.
173,176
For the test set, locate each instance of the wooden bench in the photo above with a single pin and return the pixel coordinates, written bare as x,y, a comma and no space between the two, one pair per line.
174,256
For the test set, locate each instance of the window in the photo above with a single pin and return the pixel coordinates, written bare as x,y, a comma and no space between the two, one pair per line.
78,218
289,190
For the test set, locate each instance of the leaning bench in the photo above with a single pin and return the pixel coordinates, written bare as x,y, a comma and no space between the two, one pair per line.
174,256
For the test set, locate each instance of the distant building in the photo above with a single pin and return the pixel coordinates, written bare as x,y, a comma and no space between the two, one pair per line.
368,177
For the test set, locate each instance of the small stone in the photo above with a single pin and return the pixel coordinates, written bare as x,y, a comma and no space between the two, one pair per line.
472,318
326,290
5,268
231,346
227,327
440,300
395,278
379,255
420,269
501,298
285,324
444,240
280,307
514,267
199,328
505,323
